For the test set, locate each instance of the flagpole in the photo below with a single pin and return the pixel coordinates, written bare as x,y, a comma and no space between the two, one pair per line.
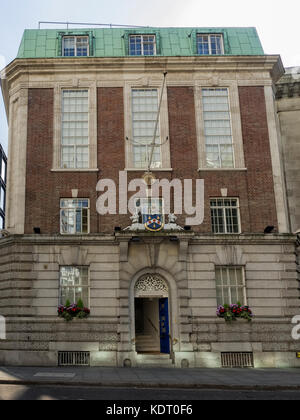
157,121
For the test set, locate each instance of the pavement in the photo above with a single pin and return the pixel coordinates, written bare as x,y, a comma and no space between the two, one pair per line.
227,379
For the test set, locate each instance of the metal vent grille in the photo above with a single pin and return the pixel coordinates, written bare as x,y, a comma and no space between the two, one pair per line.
237,360
73,358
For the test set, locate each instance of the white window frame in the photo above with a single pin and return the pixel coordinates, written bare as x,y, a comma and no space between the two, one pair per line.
209,43
230,286
224,214
142,45
92,124
88,286
74,146
75,209
163,125
231,129
236,124
148,147
75,37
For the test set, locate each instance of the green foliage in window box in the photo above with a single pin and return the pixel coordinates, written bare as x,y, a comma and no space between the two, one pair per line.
235,311
69,312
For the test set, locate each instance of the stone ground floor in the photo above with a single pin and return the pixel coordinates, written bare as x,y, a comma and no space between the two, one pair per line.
153,300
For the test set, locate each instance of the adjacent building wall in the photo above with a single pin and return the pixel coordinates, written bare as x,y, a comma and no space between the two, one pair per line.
288,109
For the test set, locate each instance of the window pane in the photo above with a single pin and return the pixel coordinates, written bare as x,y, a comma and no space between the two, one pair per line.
217,128
135,45
74,131
74,285
218,224
142,45
210,44
74,216
76,46
144,115
225,216
82,44
2,199
216,44
3,170
203,45
69,46
230,285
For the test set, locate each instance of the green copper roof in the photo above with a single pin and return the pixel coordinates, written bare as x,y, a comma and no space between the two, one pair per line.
113,42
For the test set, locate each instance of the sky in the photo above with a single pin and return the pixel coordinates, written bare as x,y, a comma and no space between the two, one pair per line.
277,22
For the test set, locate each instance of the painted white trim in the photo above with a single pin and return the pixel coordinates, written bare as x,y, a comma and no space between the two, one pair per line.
145,83
17,159
277,165
224,214
209,35
142,45
236,125
152,170
75,44
67,208
222,169
92,91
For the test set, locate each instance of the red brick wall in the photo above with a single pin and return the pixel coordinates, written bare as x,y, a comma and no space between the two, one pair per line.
254,187
43,187
261,196
111,147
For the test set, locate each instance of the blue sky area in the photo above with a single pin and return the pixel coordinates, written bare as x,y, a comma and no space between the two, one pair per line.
277,22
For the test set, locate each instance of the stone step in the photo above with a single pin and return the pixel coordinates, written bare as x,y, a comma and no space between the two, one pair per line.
147,343
145,340
153,360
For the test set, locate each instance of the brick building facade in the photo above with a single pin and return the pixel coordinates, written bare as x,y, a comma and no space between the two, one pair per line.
219,119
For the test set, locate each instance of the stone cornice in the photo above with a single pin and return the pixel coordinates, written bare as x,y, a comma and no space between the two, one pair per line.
27,69
118,238
270,63
288,87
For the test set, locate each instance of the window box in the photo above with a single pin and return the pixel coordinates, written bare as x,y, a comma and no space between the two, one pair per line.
69,312
235,311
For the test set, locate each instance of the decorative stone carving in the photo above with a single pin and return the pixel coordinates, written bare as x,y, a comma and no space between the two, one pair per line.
172,223
151,284
136,225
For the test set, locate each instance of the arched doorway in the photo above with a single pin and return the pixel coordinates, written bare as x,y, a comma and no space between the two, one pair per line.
152,319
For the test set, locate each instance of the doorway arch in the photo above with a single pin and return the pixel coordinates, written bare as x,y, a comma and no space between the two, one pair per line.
159,286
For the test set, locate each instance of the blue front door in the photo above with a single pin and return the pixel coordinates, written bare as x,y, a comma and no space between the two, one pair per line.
164,325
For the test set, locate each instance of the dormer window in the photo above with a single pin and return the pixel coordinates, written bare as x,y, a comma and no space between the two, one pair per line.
142,45
75,46
210,44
